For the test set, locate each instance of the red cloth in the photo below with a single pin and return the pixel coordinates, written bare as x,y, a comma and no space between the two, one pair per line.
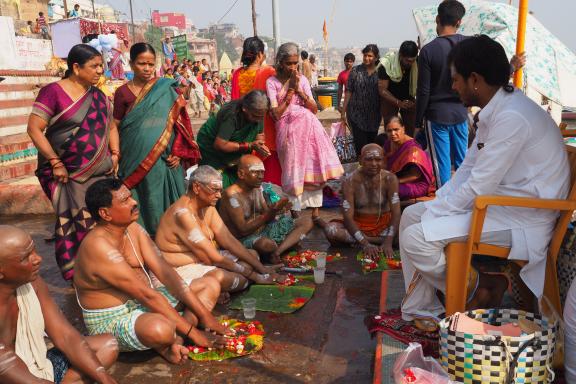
272,169
88,27
123,100
343,77
391,323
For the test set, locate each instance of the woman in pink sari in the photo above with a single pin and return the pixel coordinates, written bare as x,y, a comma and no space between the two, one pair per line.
406,159
306,154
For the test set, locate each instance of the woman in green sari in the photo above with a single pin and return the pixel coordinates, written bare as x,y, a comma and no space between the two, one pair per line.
156,137
234,131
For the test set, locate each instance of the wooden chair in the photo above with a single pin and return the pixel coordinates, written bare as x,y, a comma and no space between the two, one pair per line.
459,254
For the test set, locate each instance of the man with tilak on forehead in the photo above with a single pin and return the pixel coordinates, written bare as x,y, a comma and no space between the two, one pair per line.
260,225
195,240
370,207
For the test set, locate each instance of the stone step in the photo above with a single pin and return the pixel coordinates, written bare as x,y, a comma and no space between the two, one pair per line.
17,169
23,199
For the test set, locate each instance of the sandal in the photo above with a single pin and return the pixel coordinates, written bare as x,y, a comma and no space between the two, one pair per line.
427,324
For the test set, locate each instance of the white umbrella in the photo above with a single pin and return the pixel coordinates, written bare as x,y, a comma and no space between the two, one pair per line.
550,66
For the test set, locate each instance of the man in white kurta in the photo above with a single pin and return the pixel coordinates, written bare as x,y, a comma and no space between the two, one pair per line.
518,151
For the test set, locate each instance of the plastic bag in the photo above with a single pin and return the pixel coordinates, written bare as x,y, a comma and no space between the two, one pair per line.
337,129
412,367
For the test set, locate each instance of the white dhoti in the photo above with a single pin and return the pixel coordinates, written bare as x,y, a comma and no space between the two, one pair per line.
424,263
188,273
570,334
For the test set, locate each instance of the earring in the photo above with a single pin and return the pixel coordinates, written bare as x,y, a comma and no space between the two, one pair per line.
475,88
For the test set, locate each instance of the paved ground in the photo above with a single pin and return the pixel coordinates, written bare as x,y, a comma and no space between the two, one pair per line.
324,342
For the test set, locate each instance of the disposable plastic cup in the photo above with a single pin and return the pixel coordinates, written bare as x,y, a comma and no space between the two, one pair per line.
321,260
249,308
319,274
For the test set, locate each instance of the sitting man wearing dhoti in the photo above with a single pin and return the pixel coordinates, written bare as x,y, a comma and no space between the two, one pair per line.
195,240
125,287
518,151
260,225
370,206
28,313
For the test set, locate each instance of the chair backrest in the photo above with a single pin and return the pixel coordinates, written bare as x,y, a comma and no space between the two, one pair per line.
565,216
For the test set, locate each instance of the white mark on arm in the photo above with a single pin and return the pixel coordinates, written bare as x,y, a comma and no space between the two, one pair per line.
234,202
395,198
359,236
196,235
115,256
345,205
181,211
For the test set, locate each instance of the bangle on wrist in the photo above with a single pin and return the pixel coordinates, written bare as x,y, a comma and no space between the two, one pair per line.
244,147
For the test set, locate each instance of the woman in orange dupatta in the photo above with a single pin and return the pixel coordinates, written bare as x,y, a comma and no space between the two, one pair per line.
406,159
253,75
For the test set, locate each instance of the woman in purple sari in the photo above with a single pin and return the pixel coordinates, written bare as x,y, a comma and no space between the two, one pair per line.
69,125
406,159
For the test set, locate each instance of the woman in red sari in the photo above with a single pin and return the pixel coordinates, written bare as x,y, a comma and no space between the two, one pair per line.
77,148
406,159
253,75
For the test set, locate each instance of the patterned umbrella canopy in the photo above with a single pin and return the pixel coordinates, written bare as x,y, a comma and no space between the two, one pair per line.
550,66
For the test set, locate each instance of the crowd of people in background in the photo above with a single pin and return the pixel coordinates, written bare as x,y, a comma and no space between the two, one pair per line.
135,239
206,90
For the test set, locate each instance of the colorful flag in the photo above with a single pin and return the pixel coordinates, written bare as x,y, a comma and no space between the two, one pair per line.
325,32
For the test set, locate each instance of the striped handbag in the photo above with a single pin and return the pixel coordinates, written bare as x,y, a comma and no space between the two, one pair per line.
488,359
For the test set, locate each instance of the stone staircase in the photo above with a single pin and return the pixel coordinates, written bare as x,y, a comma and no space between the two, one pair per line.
20,192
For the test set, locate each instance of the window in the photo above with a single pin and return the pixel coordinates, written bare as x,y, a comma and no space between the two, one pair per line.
163,19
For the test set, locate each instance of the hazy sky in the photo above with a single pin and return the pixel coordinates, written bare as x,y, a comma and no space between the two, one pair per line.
350,22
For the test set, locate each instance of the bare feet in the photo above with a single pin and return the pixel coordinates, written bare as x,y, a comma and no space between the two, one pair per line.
427,324
490,291
175,354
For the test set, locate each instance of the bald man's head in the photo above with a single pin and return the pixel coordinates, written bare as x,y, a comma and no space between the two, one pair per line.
372,159
12,239
251,171
250,161
19,262
370,149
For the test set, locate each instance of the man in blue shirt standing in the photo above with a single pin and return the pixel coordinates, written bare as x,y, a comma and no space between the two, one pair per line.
436,101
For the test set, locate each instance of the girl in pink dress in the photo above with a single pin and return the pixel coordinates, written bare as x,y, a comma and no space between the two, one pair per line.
307,156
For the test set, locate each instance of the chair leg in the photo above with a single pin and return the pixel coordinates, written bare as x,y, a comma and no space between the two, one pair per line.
551,289
457,271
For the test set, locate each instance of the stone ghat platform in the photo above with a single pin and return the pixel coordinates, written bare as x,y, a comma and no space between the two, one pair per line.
325,341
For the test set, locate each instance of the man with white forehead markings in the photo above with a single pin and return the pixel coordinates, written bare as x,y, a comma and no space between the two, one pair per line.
370,207
260,226
194,239
28,313
125,287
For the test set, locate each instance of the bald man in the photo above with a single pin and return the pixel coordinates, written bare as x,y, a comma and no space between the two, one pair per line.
194,239
28,312
370,206
259,225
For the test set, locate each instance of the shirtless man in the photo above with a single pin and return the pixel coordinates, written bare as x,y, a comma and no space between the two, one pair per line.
27,311
370,206
191,230
259,225
126,288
